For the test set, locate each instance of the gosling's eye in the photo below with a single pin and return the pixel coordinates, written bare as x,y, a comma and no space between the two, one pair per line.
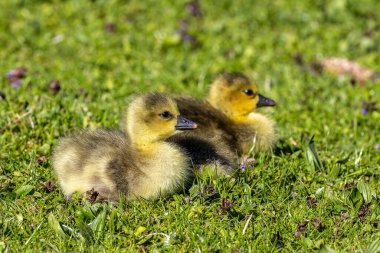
248,92
166,115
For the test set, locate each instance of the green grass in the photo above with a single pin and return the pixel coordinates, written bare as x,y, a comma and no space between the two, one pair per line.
286,200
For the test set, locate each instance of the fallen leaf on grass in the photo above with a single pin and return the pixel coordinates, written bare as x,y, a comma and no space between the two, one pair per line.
54,86
110,27
209,192
91,196
364,211
225,206
297,234
14,76
317,223
49,186
194,8
41,160
342,66
337,66
311,201
302,227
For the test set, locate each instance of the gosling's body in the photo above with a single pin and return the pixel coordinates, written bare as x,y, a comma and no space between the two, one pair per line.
208,144
105,161
207,149
228,113
257,131
136,163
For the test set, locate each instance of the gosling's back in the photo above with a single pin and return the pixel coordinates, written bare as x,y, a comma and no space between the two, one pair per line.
103,160
86,160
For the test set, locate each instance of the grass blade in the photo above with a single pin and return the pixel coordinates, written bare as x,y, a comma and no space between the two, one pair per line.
312,155
85,230
56,226
365,191
24,190
374,247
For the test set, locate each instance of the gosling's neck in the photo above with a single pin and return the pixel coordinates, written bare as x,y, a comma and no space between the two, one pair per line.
142,139
239,118
147,143
145,146
235,116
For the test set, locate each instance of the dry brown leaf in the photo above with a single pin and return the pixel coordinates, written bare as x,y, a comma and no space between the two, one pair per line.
342,66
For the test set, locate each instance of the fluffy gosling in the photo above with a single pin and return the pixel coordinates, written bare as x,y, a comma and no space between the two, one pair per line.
230,113
135,163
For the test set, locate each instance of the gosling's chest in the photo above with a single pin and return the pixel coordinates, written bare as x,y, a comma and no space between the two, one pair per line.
164,171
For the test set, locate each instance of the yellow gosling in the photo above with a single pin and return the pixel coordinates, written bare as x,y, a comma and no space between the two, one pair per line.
135,163
230,112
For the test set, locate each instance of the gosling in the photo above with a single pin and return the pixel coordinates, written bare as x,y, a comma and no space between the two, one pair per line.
229,112
137,163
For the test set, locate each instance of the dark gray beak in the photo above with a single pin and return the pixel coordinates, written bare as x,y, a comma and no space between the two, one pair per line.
184,124
264,101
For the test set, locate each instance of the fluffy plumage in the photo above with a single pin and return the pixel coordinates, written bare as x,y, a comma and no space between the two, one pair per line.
228,113
135,163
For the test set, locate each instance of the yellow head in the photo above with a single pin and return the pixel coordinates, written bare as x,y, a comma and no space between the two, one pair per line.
153,117
236,96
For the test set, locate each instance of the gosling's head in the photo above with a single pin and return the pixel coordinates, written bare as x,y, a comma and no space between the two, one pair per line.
236,96
153,117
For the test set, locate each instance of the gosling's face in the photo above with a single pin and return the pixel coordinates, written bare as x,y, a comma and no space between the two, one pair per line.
155,117
236,95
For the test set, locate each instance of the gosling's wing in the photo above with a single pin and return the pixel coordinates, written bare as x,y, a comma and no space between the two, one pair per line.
204,149
211,121
201,112
81,161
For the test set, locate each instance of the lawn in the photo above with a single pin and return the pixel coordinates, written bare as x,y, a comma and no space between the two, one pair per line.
83,60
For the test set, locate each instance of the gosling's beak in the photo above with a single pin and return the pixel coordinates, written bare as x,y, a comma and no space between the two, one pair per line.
264,101
184,124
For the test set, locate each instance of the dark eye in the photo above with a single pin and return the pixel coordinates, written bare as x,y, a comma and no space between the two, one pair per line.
248,92
165,115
